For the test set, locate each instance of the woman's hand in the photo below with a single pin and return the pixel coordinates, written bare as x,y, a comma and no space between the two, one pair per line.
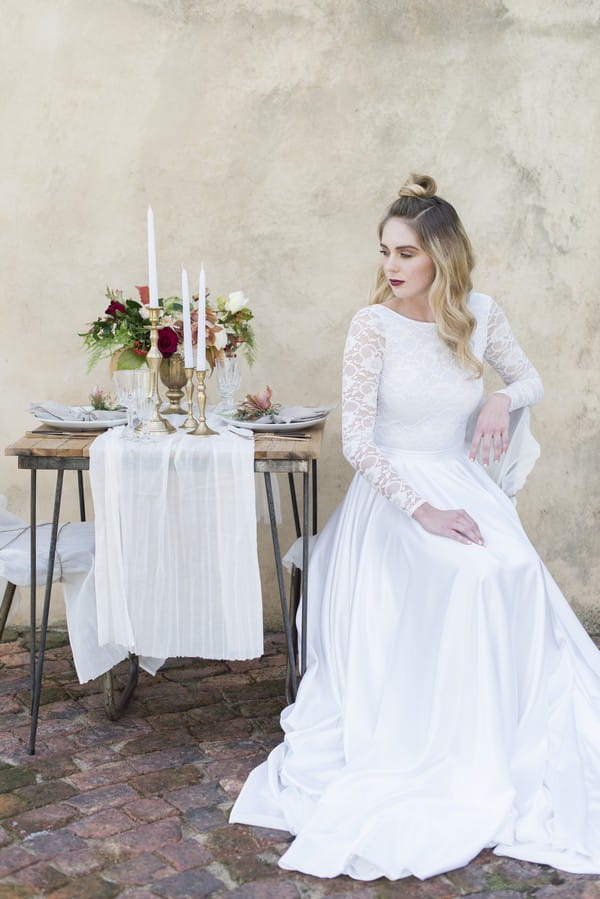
491,430
456,524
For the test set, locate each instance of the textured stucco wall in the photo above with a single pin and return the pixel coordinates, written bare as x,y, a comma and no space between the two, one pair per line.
268,137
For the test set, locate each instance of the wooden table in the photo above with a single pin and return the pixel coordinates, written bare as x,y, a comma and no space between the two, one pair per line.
49,449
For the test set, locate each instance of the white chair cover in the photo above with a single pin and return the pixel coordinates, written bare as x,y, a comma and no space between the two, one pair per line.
74,568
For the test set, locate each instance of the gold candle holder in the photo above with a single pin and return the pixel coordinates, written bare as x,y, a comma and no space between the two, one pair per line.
202,429
190,422
157,424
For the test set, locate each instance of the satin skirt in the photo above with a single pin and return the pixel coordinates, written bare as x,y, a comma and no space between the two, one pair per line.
451,701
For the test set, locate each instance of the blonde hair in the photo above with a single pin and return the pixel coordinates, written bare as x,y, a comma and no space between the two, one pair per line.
442,236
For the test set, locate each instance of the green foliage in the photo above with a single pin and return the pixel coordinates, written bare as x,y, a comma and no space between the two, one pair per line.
122,325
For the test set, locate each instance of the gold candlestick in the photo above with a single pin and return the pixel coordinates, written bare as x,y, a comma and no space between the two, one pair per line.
157,424
202,430
190,423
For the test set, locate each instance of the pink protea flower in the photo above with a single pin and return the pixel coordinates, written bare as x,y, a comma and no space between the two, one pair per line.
257,404
262,399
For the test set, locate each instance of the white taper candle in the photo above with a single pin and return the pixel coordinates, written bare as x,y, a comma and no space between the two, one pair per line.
152,277
188,353
201,363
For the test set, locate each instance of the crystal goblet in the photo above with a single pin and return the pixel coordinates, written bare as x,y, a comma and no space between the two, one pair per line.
229,378
125,383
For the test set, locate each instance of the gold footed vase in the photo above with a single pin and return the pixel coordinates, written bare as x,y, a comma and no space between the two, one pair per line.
172,374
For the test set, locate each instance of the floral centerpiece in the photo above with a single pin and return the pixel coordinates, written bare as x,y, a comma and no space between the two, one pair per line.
124,328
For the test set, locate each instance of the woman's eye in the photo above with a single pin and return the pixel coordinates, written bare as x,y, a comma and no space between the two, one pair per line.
406,255
383,252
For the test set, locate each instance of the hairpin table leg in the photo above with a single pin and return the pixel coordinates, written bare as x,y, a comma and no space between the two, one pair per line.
39,667
81,495
7,600
294,503
115,707
315,526
281,586
32,578
305,537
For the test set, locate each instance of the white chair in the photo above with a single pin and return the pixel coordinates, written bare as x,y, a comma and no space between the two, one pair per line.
74,556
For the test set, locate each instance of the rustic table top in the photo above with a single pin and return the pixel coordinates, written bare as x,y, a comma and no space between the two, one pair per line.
267,447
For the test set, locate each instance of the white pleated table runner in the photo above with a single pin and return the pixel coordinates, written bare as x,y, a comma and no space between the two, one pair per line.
176,547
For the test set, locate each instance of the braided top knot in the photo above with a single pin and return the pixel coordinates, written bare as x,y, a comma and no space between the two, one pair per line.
420,186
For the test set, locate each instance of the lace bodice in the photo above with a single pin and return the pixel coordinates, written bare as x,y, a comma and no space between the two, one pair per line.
403,389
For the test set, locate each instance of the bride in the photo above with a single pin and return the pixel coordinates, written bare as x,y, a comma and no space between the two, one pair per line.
451,700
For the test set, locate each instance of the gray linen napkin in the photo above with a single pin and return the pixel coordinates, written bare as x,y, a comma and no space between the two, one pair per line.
291,414
61,412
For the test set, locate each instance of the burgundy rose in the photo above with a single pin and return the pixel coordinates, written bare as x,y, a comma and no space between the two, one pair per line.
113,307
167,341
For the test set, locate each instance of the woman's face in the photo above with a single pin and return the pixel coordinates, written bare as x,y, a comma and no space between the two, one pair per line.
408,268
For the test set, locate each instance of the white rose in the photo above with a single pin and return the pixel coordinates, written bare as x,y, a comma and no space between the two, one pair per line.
144,312
236,301
221,339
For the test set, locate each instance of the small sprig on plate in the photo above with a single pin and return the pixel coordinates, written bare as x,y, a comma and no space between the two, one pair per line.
99,400
256,405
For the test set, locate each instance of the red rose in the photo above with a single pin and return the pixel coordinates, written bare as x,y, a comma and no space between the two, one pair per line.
167,341
114,307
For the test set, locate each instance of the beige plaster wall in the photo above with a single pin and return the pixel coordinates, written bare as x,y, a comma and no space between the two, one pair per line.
269,135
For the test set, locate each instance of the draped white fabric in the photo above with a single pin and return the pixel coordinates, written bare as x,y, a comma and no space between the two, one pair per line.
176,554
451,700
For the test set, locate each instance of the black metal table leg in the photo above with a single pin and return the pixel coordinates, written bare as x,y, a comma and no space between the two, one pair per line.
294,503
305,537
32,577
81,495
314,496
115,706
7,600
296,577
281,585
39,667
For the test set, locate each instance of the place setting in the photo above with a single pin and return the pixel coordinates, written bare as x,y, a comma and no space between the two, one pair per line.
259,414
58,419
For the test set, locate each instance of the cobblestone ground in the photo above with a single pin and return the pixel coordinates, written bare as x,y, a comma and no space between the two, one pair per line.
138,808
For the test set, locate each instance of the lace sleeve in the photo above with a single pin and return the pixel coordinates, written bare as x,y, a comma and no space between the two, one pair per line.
363,358
523,383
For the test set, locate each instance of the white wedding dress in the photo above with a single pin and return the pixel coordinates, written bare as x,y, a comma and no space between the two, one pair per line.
452,699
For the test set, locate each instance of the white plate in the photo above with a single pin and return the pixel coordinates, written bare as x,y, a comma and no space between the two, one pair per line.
277,426
83,425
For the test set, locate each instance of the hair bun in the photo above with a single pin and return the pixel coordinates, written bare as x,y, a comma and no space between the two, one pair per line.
420,186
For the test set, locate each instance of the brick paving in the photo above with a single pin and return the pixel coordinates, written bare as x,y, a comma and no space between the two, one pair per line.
138,808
